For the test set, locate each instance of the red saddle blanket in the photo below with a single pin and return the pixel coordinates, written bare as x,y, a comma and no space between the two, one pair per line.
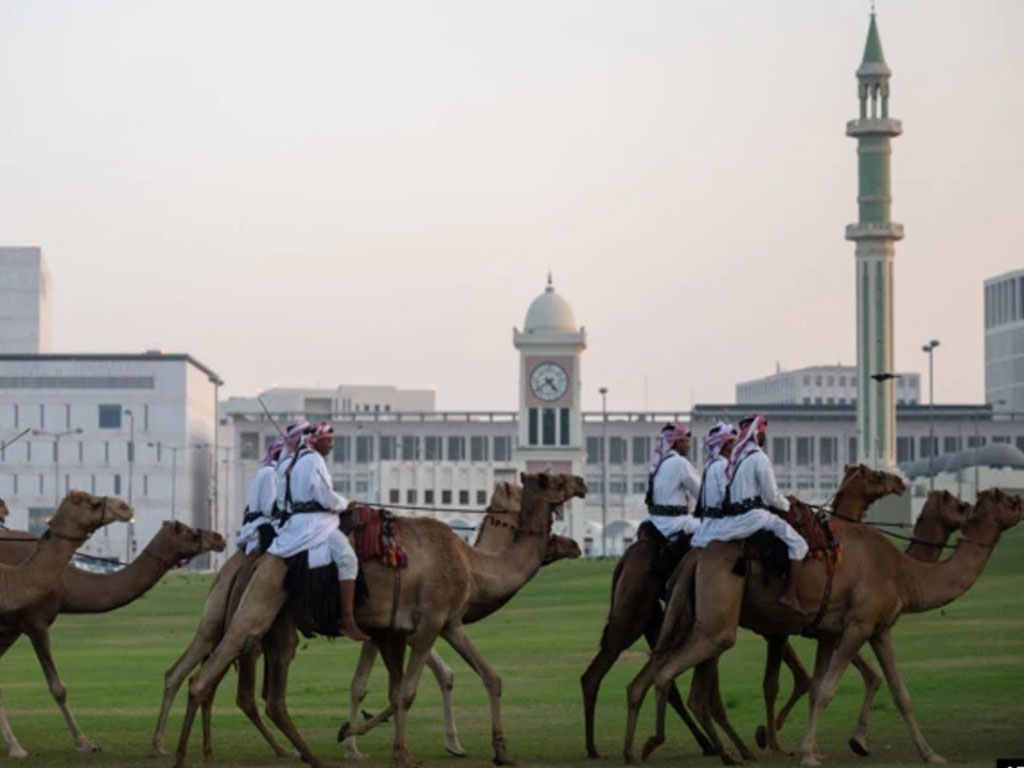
820,533
375,537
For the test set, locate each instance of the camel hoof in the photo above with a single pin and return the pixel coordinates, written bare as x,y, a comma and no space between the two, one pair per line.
859,747
728,759
18,753
811,760
592,753
503,760
354,754
649,746
455,749
935,759
761,737
159,752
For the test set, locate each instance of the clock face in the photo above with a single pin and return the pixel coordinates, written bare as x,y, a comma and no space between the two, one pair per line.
549,381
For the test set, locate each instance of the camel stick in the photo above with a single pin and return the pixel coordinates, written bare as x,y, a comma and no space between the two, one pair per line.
270,416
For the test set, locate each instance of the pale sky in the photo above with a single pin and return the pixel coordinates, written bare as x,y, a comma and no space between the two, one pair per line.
316,193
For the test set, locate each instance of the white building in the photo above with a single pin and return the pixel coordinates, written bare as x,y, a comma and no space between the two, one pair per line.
25,288
818,385
140,427
1004,341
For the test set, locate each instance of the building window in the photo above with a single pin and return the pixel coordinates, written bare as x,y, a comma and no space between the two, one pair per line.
446,498
851,447
952,444
249,445
432,448
410,448
318,408
388,447
464,498
481,498
410,496
928,447
28,451
117,485
617,486
641,451
976,441
639,486
780,450
478,448
106,451
362,487
548,426
502,448
594,450
394,495
828,450
428,496
563,427
904,449
533,437
110,417
804,451
342,451
617,450
456,448
364,449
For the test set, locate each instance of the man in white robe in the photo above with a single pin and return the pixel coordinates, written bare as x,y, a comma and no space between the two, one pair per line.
262,499
673,483
717,448
311,522
750,495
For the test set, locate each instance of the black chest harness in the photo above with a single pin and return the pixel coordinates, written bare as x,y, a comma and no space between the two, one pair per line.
732,508
299,507
661,510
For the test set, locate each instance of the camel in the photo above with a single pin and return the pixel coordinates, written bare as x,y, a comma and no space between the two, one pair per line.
872,587
445,580
636,608
496,530
77,517
83,592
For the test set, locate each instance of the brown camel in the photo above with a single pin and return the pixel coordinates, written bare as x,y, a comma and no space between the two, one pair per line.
496,532
636,609
83,592
874,584
77,517
445,580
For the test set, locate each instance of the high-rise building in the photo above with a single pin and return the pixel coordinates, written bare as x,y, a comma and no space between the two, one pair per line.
1004,341
24,301
818,385
875,235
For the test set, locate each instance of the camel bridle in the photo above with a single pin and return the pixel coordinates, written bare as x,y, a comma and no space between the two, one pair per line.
80,539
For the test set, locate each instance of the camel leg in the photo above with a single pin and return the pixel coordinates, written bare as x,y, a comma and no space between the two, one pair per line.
446,681
801,684
456,637
14,749
357,692
703,688
767,736
708,676
40,637
823,686
245,698
882,646
872,681
421,642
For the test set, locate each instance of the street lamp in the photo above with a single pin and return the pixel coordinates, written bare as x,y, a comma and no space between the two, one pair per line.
56,458
131,472
929,348
604,469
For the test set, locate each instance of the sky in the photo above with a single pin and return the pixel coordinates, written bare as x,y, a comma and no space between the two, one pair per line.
316,193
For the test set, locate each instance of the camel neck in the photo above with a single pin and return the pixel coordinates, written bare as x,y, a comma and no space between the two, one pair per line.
928,540
22,585
928,585
85,592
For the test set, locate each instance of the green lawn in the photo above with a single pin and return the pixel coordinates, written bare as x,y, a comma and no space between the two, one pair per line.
964,667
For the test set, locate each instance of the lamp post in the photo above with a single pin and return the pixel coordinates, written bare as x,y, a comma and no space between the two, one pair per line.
604,469
131,472
56,457
929,348
174,471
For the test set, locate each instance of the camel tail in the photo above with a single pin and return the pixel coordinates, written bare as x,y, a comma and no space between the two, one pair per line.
679,613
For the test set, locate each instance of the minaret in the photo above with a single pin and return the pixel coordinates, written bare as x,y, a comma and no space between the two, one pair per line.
874,233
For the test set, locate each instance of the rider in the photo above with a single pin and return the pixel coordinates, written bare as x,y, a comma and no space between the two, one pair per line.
673,483
750,494
310,522
262,500
717,447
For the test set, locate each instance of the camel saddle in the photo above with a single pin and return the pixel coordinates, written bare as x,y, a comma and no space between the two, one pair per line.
374,535
820,533
667,553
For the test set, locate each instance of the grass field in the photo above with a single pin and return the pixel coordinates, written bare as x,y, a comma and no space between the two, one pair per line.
964,667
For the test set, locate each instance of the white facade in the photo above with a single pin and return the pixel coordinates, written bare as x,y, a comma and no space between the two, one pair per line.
1004,341
818,385
25,321
85,412
346,398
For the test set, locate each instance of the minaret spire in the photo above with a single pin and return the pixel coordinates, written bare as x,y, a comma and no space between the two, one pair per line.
875,235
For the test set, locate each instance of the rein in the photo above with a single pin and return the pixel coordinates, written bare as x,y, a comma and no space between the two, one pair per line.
490,519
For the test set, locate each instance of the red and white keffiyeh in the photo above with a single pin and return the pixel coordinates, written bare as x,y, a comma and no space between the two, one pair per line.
717,437
294,433
750,427
317,432
670,433
273,452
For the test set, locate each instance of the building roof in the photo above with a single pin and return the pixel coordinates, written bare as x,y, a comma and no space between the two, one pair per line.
873,63
994,455
550,312
153,356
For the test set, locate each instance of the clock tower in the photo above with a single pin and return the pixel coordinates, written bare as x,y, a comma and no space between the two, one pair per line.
550,418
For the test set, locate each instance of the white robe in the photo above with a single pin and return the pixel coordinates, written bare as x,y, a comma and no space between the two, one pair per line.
753,477
316,532
712,490
676,484
262,493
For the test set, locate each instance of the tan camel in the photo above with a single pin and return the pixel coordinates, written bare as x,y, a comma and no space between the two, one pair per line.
636,610
78,515
83,592
497,530
445,580
873,586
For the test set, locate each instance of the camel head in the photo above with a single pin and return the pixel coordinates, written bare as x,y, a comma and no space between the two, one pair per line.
561,548
947,510
81,513
995,508
871,484
553,488
506,497
184,542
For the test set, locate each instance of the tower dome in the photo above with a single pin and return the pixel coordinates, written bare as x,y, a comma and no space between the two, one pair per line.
550,312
